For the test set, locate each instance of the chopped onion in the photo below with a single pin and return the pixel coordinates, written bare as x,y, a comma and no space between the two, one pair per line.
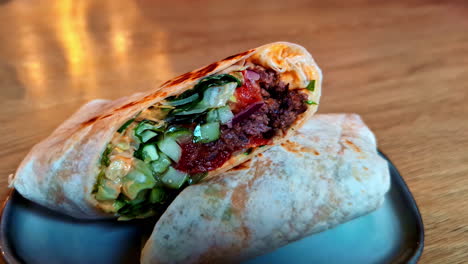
251,75
246,112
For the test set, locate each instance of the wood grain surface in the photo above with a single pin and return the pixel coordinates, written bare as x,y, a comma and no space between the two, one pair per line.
402,65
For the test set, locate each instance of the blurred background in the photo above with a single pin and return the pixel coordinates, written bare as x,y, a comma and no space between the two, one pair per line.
402,65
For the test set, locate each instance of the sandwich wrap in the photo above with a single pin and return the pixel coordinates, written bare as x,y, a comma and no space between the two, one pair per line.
131,156
326,174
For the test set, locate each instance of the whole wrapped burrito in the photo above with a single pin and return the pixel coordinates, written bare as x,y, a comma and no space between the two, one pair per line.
130,157
327,174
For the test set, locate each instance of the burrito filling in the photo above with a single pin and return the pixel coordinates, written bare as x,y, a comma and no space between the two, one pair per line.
176,142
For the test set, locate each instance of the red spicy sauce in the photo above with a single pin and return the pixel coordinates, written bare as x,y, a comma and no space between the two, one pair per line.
255,142
246,95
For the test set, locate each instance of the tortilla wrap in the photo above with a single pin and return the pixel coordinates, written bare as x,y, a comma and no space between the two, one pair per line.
60,172
326,174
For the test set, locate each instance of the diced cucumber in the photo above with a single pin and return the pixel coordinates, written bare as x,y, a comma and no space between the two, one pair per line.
140,198
206,133
140,178
150,153
222,114
142,126
147,135
225,114
143,168
179,134
197,177
173,178
183,101
160,165
212,116
169,146
149,125
107,190
157,195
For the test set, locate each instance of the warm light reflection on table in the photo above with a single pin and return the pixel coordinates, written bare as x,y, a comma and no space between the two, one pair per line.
64,41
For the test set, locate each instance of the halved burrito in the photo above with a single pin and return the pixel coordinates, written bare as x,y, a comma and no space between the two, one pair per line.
132,156
326,174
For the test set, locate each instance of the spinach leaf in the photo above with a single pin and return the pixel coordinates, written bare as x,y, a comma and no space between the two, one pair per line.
200,88
124,126
216,80
310,102
99,179
311,86
105,156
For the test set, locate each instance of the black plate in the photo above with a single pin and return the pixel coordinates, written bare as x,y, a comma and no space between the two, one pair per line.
33,234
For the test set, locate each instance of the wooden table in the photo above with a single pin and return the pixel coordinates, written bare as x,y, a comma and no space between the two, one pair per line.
402,65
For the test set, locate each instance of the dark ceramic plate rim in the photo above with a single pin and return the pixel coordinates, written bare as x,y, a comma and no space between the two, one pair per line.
408,257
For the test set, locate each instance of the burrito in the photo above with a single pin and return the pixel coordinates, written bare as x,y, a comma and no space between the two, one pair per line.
130,157
326,174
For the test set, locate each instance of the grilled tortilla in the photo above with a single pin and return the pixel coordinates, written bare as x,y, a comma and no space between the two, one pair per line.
326,174
130,157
